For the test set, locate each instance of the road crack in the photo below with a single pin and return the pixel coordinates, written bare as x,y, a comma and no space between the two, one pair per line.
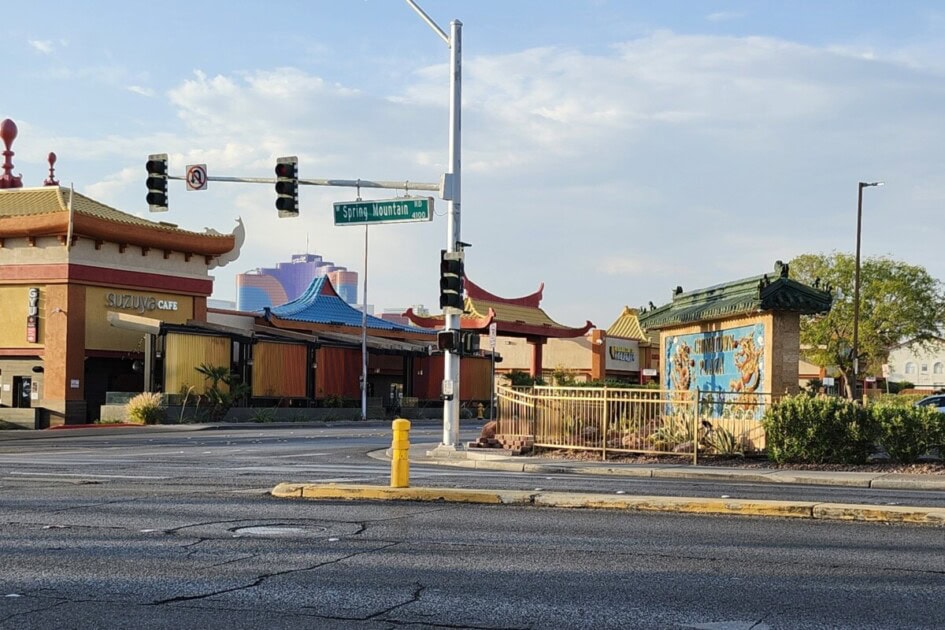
266,576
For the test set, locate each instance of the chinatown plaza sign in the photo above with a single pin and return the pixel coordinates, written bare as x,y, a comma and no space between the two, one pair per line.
139,303
622,354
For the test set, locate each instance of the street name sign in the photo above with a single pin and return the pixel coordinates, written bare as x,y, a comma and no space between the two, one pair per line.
400,210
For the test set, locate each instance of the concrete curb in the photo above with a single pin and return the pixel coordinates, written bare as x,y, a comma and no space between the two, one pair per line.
877,480
573,500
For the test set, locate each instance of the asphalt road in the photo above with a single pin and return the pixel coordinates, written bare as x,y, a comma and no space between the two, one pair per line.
176,530
262,457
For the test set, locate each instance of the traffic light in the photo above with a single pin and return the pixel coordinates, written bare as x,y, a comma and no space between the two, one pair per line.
287,186
157,182
451,280
448,340
470,343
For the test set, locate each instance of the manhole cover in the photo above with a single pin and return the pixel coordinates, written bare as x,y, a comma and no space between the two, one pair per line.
270,531
295,528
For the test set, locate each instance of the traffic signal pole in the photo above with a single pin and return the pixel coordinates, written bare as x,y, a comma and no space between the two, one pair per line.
451,192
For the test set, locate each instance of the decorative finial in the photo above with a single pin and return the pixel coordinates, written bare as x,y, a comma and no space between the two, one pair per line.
51,180
8,134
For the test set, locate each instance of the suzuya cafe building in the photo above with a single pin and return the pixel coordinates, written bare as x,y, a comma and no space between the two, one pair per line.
66,261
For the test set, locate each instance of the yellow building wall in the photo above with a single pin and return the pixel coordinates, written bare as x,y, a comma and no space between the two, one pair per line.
573,355
14,302
99,335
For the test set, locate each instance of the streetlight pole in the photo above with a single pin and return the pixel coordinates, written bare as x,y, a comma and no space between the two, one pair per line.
856,290
451,320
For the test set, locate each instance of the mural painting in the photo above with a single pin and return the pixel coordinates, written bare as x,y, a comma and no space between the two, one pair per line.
726,367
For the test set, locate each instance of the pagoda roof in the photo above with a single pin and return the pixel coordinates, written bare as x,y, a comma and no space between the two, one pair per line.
34,212
767,292
321,304
514,317
627,326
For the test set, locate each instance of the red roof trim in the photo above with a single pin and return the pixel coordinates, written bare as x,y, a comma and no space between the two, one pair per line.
480,324
476,292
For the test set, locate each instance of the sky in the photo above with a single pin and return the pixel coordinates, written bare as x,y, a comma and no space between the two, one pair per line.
611,149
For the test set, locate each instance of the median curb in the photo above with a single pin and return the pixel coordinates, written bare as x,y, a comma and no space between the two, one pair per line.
774,476
575,500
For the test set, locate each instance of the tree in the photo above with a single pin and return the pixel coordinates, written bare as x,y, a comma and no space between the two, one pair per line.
898,302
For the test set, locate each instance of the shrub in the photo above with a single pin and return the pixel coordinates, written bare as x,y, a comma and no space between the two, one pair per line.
907,431
723,442
519,378
819,430
146,408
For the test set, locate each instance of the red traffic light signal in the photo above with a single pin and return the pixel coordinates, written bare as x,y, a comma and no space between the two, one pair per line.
156,182
287,186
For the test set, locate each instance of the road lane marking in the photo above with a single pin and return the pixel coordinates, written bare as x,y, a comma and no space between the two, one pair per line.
42,474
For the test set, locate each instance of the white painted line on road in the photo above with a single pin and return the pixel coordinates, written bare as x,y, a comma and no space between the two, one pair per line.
40,474
298,455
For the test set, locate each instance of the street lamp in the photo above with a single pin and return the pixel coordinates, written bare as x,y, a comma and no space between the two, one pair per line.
451,193
856,288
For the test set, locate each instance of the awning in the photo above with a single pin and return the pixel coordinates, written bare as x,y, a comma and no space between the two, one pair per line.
377,344
137,323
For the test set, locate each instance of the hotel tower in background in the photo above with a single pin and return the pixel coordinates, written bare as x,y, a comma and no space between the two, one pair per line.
286,281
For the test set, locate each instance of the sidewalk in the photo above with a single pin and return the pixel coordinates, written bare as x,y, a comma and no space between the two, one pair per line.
486,459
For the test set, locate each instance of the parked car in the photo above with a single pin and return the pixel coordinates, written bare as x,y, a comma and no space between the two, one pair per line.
938,402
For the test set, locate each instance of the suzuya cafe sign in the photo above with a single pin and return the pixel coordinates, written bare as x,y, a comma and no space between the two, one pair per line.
32,316
401,210
138,303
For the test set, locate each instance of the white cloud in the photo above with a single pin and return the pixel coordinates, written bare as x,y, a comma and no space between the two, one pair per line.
668,160
724,16
143,91
44,46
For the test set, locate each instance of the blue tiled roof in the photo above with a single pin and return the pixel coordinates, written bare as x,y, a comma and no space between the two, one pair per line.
317,307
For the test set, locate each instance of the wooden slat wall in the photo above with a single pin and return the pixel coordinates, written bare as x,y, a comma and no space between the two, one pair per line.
339,372
279,370
475,378
184,353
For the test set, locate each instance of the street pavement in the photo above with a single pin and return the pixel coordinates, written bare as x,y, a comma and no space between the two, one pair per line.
154,528
277,454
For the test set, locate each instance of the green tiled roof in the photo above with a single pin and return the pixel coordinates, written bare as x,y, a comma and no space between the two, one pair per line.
18,202
767,292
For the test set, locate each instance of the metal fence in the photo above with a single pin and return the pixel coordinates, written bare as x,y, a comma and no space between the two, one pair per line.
642,421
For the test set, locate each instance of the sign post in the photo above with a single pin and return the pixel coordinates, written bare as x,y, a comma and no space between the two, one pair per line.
492,397
360,212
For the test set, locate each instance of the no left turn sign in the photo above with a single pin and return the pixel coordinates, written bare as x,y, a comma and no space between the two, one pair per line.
196,177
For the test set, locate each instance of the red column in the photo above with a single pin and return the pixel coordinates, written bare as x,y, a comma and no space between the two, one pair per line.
535,369
598,354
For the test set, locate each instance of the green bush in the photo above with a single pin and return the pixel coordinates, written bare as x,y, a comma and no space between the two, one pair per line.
907,431
819,430
146,408
518,378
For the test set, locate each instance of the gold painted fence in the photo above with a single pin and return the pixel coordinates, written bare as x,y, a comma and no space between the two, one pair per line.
645,421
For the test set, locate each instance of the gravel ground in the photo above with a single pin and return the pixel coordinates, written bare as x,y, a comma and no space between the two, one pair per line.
919,468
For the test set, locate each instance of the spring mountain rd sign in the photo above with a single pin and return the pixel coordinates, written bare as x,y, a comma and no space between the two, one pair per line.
401,210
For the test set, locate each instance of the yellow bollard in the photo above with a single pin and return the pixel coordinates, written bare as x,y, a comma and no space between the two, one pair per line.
399,454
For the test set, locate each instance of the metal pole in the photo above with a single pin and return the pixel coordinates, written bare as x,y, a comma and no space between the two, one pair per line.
492,396
364,354
342,183
856,294
452,321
